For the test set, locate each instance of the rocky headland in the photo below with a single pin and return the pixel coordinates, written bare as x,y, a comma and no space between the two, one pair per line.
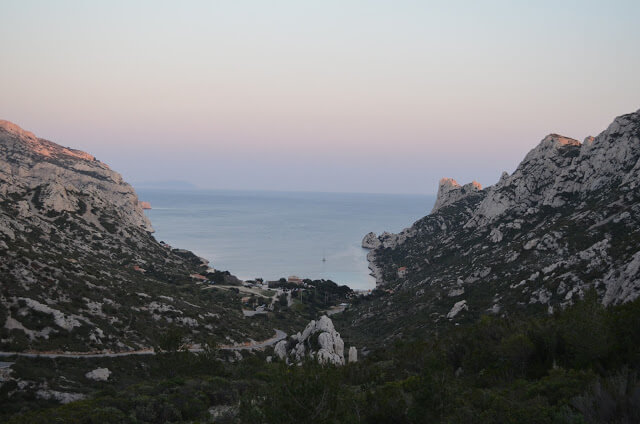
565,222
79,267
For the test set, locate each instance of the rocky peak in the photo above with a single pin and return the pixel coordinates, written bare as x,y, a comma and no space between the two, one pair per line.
38,146
565,221
449,191
557,140
560,167
54,179
16,131
554,150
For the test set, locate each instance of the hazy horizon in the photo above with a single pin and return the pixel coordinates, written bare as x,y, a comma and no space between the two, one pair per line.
185,186
355,96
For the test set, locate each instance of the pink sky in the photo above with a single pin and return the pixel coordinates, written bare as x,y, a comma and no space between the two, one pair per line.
334,96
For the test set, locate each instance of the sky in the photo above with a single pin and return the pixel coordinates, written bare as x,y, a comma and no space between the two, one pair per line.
334,95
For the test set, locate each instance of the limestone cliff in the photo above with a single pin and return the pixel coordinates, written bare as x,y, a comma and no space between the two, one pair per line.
79,268
64,179
567,220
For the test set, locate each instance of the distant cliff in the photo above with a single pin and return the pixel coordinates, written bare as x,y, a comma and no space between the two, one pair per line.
566,221
79,268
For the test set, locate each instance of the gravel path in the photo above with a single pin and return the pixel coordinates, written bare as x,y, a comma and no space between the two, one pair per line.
279,335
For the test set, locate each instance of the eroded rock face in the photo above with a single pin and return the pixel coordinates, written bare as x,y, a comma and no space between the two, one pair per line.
64,179
318,340
565,221
560,168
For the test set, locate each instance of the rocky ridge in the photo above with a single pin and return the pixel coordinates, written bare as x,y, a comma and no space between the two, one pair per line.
79,267
566,221
63,179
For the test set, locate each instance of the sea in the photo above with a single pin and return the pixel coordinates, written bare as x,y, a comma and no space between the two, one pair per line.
270,235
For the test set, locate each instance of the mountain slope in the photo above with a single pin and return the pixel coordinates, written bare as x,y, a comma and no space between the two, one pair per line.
79,268
567,220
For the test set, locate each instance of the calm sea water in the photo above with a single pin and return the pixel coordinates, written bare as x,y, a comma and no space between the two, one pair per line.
277,234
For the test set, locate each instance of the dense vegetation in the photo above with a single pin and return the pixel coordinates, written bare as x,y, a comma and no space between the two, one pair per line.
579,365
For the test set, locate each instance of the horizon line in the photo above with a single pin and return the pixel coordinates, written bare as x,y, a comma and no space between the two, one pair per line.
138,186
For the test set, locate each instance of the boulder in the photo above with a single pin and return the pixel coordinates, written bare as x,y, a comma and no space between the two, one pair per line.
457,308
371,241
353,354
330,346
99,374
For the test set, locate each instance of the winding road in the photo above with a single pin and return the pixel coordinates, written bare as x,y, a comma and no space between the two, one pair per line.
279,335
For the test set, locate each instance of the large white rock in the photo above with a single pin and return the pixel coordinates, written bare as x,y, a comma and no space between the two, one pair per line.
280,349
308,330
99,374
330,344
325,324
353,354
457,308
326,357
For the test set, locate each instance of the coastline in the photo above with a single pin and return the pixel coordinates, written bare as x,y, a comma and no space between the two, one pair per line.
376,271
242,231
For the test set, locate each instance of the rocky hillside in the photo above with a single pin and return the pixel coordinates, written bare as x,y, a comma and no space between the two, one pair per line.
566,221
79,268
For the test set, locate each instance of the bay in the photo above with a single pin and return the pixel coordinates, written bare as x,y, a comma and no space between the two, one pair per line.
277,234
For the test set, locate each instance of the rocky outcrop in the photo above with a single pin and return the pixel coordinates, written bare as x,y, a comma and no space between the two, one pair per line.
449,191
457,308
319,341
565,221
371,241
